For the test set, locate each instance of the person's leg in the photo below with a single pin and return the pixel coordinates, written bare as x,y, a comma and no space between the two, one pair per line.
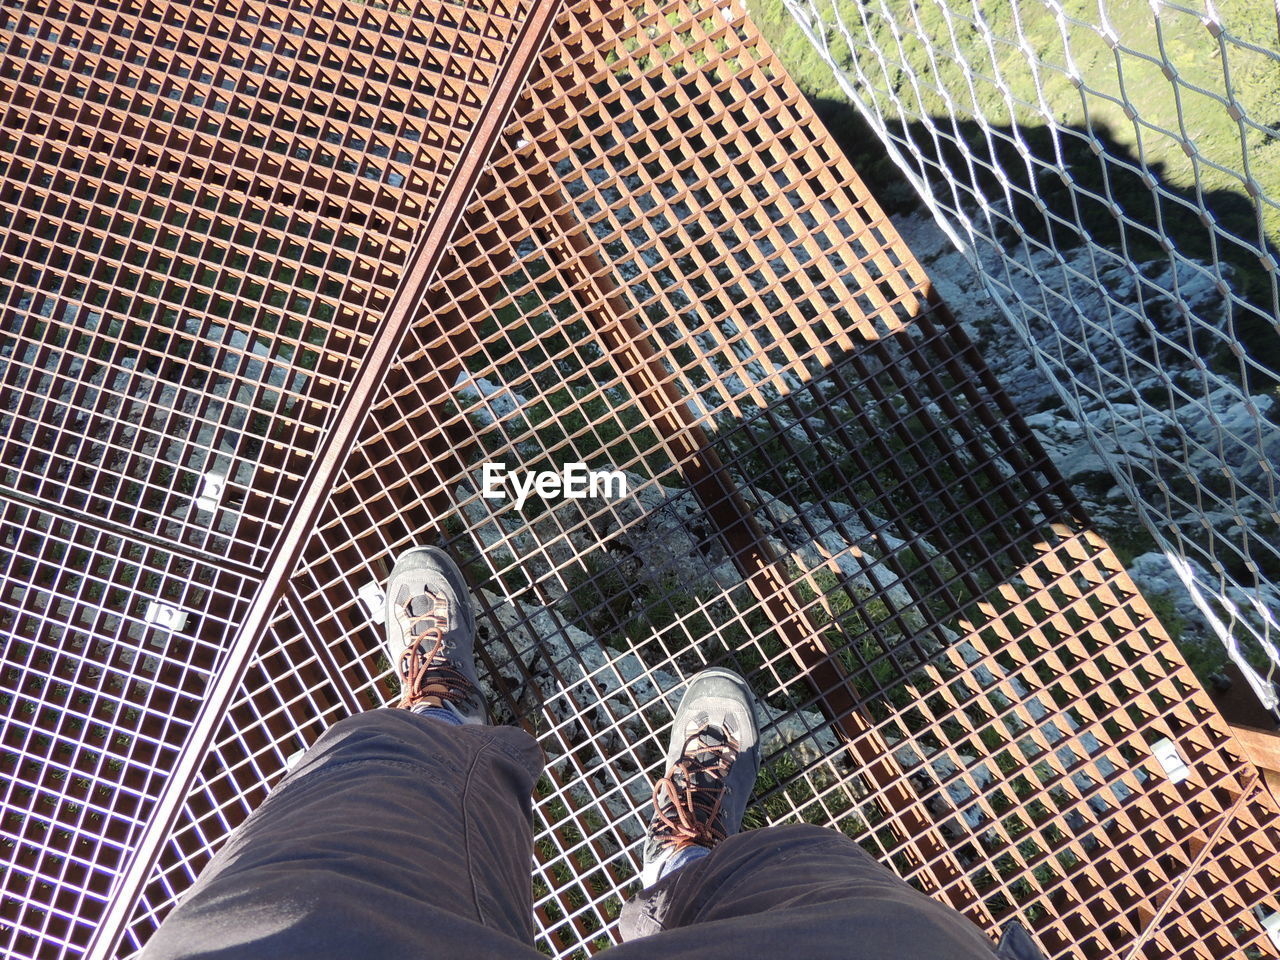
402,833
799,890
796,890
398,835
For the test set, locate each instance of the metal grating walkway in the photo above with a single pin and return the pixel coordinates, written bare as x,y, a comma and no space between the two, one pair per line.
225,257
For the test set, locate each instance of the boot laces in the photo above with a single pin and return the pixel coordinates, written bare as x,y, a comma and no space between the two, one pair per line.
687,801
426,672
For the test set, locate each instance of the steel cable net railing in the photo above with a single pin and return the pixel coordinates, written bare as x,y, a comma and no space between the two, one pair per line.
1112,172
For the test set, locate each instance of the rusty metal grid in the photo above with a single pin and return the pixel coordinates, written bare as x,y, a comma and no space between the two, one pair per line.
670,270
206,213
207,210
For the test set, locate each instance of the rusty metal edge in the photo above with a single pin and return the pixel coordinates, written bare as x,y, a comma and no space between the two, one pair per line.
424,262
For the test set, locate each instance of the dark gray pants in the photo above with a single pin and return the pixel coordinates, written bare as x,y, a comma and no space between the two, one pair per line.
402,836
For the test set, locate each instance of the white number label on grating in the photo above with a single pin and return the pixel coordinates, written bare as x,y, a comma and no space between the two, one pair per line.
212,486
375,602
1166,752
165,616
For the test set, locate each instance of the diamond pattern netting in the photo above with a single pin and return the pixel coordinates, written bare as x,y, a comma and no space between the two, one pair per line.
1106,171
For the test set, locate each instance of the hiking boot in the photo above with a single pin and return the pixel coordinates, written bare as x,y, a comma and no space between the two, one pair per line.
431,635
711,766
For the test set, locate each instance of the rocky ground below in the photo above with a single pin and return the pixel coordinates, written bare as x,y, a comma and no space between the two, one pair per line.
620,598
1143,401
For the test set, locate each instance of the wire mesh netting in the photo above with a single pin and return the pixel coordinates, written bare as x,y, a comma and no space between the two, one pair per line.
1110,170
670,275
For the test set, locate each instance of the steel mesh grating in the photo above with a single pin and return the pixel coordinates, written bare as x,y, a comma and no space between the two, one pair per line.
284,704
207,209
96,705
206,213
668,269
1012,679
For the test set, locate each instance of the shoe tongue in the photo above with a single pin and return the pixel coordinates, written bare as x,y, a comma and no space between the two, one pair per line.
700,767
704,748
422,604
709,734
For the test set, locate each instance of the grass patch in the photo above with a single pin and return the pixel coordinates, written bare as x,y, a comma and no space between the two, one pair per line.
1051,118
625,611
